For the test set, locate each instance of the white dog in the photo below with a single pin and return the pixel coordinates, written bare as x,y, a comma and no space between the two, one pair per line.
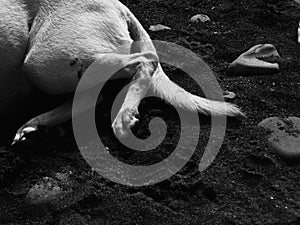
48,44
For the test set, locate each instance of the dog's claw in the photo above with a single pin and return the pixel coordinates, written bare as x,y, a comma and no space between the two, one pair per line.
21,134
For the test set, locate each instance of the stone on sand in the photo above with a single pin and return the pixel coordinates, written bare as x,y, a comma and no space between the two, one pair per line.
284,136
44,191
159,27
254,61
200,18
49,189
229,95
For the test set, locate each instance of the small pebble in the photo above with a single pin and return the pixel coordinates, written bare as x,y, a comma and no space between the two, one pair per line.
284,136
229,95
159,27
200,18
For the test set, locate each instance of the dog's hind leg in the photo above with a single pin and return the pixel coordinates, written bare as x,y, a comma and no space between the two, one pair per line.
142,79
138,88
138,66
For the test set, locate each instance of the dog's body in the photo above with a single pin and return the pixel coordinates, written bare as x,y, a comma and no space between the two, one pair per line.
48,44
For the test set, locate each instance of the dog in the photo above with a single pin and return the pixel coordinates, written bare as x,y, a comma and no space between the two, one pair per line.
47,45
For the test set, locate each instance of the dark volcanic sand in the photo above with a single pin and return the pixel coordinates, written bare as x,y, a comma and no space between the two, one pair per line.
247,184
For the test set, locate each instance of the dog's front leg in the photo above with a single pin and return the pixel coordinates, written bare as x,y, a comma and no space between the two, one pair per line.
49,119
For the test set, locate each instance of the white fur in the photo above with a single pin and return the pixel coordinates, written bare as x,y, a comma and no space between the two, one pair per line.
13,45
66,36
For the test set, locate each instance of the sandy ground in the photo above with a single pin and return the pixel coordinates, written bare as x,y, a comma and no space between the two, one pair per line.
248,183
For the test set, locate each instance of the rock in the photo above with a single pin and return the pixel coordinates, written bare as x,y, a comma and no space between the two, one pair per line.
159,27
252,62
284,136
200,18
229,95
44,191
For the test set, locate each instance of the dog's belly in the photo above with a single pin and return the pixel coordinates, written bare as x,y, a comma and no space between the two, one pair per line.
65,43
14,88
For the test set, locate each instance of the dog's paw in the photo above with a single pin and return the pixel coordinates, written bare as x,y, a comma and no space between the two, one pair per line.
124,121
29,127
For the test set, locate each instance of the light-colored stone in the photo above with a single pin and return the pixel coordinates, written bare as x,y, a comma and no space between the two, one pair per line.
284,136
159,27
252,61
229,95
200,18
